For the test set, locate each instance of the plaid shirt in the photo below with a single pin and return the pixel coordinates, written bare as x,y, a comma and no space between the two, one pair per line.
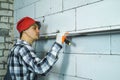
25,65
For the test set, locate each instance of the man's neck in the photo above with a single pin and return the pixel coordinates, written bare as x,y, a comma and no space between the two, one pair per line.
27,39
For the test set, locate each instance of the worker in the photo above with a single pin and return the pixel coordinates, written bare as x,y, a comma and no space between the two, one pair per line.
23,63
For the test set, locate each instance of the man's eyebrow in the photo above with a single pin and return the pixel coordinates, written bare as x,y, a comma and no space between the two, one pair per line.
35,25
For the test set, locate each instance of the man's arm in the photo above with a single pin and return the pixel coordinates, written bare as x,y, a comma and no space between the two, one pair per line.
40,66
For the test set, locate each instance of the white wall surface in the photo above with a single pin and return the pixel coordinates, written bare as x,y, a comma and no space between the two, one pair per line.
92,57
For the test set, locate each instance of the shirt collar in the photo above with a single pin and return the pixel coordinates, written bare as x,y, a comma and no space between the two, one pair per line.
19,41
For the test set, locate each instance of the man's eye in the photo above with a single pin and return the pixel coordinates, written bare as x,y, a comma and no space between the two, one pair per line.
34,28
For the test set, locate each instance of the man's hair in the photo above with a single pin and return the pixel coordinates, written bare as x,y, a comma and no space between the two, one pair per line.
21,34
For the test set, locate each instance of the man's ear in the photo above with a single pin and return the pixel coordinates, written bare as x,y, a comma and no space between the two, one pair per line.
25,32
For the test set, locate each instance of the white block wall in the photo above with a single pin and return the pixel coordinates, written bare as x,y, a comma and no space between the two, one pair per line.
92,57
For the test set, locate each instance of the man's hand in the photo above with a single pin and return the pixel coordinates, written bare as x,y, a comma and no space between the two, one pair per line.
60,38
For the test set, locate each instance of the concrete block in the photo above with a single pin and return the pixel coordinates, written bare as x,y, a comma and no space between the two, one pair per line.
2,46
41,77
66,64
11,20
11,1
41,8
4,5
18,4
53,6
100,14
1,66
2,39
98,67
115,44
3,72
56,6
5,66
8,39
74,78
1,78
28,2
8,45
11,6
62,21
3,59
1,52
11,26
4,19
26,11
5,13
3,0
5,25
6,52
96,44
4,32
54,76
68,4
44,45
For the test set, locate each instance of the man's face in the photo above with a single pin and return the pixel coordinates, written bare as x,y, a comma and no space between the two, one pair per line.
33,32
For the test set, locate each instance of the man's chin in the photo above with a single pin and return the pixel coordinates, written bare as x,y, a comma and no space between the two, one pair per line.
36,38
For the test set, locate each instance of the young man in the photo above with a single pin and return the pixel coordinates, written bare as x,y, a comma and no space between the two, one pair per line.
22,61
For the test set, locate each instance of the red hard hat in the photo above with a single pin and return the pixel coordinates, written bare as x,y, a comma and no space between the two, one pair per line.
24,23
